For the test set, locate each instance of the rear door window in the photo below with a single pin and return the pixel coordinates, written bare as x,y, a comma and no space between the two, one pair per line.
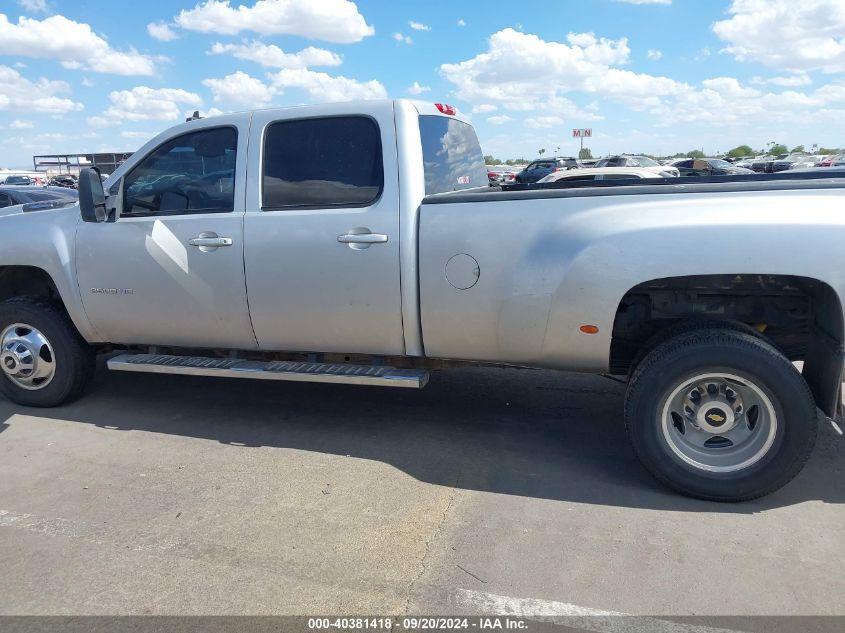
323,162
451,155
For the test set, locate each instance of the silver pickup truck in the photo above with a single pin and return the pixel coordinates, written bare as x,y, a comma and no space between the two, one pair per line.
359,243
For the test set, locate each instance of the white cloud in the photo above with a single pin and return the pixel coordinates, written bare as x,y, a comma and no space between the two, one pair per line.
645,1
34,6
462,22
271,56
523,73
73,43
329,20
416,89
136,135
520,71
240,89
18,124
418,26
543,122
499,119
19,93
655,55
161,32
787,35
143,103
403,39
703,54
87,82
484,107
322,87
789,81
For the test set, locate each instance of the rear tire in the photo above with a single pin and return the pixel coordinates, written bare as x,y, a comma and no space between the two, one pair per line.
720,415
44,362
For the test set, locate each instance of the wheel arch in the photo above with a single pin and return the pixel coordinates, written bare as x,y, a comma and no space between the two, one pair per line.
802,316
27,280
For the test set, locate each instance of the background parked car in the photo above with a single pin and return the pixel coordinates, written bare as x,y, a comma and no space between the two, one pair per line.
833,161
745,162
763,164
23,180
64,181
497,176
540,168
22,194
792,161
602,173
637,161
708,167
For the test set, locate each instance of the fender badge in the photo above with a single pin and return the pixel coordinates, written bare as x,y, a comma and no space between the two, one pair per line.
112,291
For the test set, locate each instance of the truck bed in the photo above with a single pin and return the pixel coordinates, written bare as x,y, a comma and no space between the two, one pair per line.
782,181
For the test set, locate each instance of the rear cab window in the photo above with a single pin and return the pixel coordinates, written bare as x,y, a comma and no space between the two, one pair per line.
451,155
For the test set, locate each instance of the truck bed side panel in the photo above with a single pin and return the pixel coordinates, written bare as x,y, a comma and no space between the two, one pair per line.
547,266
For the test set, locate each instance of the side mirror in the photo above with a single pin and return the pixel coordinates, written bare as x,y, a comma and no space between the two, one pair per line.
92,197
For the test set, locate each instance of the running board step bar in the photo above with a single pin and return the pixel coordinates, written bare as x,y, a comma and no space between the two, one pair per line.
271,370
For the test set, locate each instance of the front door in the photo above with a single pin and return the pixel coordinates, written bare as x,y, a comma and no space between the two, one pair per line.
322,231
169,270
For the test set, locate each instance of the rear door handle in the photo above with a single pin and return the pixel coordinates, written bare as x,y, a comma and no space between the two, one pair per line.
363,238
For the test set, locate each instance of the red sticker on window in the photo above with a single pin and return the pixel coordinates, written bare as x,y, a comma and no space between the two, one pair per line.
463,180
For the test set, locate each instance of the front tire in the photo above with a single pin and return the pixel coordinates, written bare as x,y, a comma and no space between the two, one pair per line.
44,362
720,415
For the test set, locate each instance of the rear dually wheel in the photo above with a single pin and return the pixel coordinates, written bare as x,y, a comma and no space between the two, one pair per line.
720,415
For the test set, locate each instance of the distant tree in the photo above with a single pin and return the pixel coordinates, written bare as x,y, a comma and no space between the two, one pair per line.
489,160
778,148
828,150
585,153
741,150
696,153
541,151
798,149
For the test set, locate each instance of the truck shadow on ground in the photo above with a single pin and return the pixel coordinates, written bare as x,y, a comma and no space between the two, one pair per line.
540,434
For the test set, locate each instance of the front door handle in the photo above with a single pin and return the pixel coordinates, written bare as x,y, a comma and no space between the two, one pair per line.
364,238
208,241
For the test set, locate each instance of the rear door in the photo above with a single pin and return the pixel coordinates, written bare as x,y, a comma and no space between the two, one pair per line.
322,231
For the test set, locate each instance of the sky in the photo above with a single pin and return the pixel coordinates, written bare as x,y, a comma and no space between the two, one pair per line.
652,76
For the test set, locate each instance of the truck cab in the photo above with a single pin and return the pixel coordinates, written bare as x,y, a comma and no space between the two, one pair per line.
274,230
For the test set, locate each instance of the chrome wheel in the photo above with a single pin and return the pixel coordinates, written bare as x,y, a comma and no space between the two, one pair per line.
719,422
26,357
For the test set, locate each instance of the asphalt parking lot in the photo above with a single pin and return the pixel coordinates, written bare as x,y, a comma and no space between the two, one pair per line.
489,489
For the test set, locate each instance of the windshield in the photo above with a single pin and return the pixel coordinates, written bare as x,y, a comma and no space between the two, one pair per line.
451,155
720,164
645,161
